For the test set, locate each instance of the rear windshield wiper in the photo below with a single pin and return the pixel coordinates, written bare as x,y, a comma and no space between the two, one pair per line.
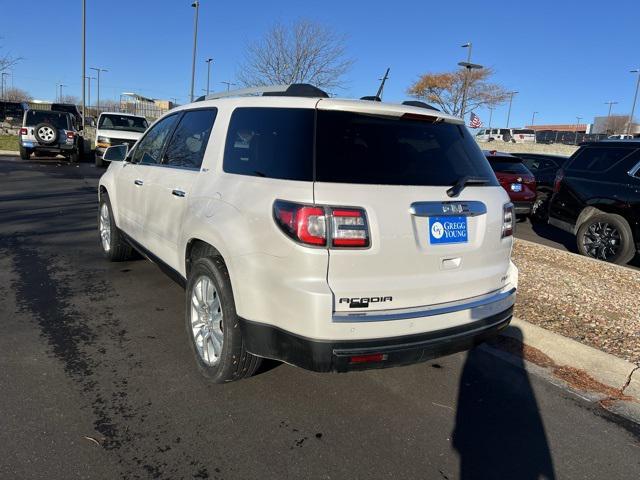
463,182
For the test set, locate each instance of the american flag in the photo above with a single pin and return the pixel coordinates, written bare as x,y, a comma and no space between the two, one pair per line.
474,121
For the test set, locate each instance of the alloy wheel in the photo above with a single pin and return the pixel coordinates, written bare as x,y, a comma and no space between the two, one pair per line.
105,227
601,240
206,320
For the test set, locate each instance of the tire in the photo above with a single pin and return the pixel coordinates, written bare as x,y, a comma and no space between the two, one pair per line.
74,156
46,134
99,161
225,358
113,245
25,153
599,235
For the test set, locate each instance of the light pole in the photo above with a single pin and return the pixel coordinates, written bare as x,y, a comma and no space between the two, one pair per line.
533,118
577,123
84,55
195,5
60,98
228,84
635,97
490,118
511,94
469,66
208,61
98,70
3,75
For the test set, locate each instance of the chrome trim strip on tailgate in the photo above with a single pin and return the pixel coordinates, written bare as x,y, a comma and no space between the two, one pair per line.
480,307
471,208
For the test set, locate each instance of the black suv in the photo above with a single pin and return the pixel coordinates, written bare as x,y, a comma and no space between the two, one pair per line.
544,167
597,198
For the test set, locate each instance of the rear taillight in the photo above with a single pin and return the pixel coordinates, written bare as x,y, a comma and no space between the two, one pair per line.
307,224
349,228
71,134
558,180
507,220
23,131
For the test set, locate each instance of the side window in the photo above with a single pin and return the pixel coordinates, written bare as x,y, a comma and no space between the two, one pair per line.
189,141
598,159
270,142
150,147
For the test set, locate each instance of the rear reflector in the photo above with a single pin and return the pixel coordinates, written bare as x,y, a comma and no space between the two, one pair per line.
371,358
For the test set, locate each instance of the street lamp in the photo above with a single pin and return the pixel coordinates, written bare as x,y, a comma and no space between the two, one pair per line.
228,84
533,118
84,55
511,94
490,118
89,92
60,98
208,61
195,5
635,97
469,66
577,123
98,70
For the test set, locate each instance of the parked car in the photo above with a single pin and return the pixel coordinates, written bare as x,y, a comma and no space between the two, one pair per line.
117,129
544,167
512,135
515,178
298,240
597,198
49,132
620,137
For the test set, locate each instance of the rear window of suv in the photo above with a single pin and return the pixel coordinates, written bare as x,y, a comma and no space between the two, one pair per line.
509,166
598,159
57,119
366,149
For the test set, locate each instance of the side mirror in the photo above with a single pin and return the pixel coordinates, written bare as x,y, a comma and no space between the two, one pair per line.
117,153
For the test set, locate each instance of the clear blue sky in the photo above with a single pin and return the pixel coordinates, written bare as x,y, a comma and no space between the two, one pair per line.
566,58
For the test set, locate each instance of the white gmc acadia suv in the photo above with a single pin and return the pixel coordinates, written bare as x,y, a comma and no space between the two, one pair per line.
326,233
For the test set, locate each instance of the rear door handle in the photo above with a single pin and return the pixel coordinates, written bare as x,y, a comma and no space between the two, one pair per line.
178,193
138,182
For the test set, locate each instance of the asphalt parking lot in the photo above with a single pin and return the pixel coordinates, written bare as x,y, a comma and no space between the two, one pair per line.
98,381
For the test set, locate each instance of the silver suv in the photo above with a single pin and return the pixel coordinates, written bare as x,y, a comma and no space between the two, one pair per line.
329,234
49,132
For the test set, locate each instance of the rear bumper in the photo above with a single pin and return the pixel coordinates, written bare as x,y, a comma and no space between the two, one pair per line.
327,355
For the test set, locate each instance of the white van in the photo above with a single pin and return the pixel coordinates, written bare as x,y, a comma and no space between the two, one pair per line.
513,135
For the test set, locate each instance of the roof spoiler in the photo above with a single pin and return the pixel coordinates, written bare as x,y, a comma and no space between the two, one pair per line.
292,90
419,104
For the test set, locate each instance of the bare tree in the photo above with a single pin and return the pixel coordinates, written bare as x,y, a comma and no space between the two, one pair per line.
446,89
616,124
71,99
302,52
7,62
16,95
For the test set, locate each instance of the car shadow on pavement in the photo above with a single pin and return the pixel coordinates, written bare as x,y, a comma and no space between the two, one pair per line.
499,433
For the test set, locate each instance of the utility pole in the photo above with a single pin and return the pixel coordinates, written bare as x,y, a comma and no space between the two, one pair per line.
383,80
98,70
208,60
469,66
511,94
608,124
228,84
84,54
533,118
195,5
89,91
635,97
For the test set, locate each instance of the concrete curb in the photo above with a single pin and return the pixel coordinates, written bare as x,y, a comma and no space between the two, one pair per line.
605,368
9,152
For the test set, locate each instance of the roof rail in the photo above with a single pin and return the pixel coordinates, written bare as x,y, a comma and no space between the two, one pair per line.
292,90
419,104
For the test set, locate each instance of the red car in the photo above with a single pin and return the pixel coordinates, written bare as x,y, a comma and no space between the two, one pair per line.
515,178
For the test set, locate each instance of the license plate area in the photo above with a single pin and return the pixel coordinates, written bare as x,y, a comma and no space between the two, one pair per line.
516,187
448,229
